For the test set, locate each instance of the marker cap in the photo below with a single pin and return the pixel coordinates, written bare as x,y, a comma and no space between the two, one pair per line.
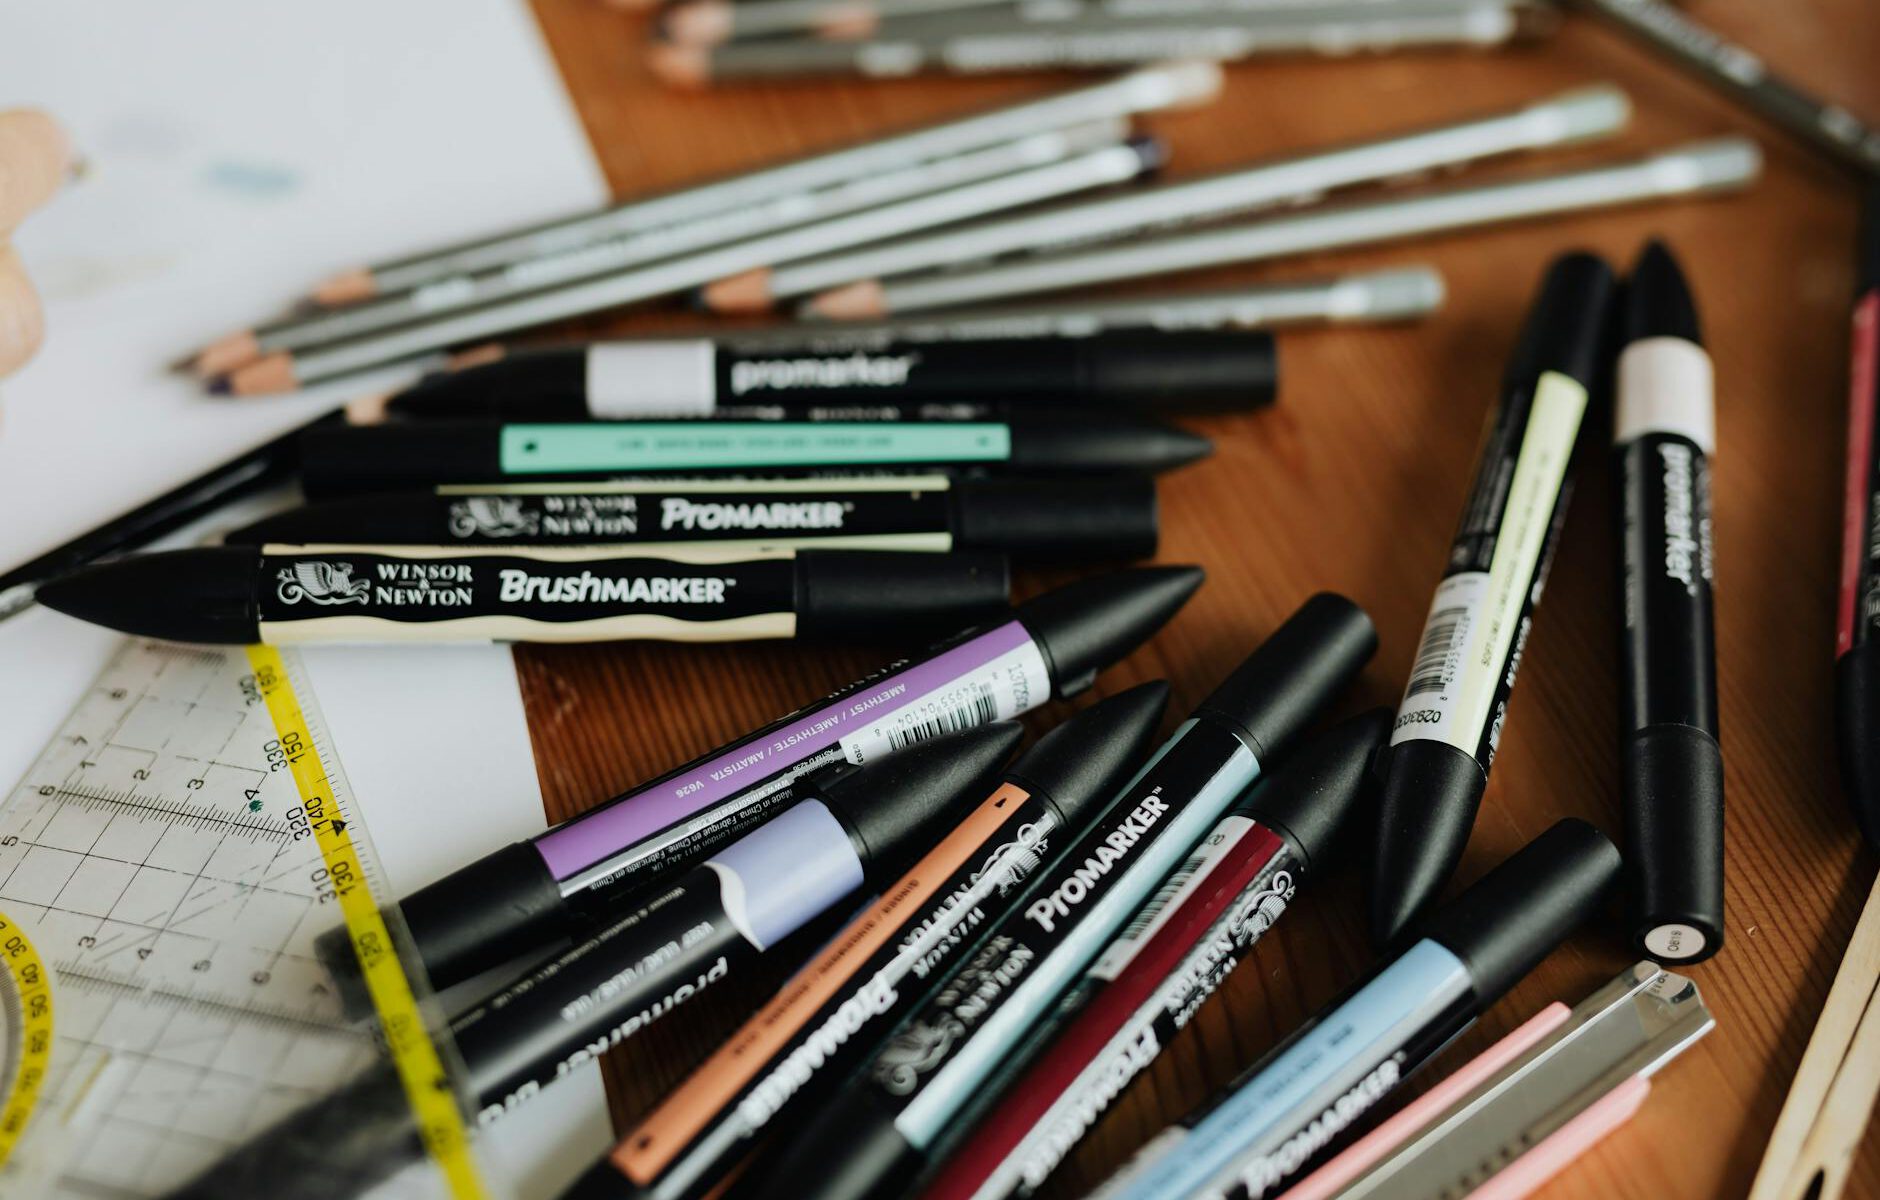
1083,761
1316,790
1197,370
1514,916
1085,626
1674,842
1567,328
862,595
893,808
1071,519
1276,693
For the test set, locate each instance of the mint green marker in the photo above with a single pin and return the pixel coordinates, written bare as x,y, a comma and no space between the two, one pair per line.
361,458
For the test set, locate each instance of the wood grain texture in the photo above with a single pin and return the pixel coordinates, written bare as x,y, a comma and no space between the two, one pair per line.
1353,483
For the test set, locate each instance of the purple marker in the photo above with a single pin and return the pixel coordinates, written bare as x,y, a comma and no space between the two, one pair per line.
852,826
535,894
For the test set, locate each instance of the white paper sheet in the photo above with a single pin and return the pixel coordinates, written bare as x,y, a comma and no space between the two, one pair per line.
239,153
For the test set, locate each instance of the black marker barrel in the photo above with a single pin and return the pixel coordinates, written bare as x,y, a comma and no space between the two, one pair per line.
390,457
535,894
1457,697
775,1072
1857,651
855,826
1176,371
1034,519
289,594
1664,432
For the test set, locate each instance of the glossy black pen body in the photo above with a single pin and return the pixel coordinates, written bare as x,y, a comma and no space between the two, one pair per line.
279,595
1031,519
854,826
1664,433
697,377
1456,700
1857,649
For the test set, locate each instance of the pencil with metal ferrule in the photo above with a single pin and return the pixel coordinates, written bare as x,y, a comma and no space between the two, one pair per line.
1694,169
1569,118
1149,89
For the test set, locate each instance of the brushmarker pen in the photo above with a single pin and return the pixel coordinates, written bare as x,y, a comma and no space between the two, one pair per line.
1145,987
854,826
1220,369
1034,519
781,1066
1457,697
1664,432
1857,656
942,1059
536,893
1321,1082
388,457
281,595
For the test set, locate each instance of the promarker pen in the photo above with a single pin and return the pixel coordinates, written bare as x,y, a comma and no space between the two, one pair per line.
950,1050
774,1074
1456,700
533,894
1146,986
1857,652
1034,519
278,595
694,377
1300,1099
854,826
362,458
1664,432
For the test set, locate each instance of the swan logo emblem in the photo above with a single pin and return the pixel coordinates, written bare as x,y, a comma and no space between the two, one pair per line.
320,582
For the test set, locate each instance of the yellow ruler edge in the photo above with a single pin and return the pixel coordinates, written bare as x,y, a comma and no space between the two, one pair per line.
34,983
420,1067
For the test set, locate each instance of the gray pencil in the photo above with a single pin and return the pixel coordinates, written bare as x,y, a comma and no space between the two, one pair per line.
709,22
781,212
1576,116
288,369
1717,165
1108,41
1738,72
1162,86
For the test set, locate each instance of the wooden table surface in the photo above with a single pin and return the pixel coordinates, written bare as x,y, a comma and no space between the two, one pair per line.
1353,482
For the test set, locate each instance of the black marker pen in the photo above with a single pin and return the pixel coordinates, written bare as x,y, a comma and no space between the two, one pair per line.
389,457
531,895
287,594
1457,698
1033,519
1664,432
694,377
855,826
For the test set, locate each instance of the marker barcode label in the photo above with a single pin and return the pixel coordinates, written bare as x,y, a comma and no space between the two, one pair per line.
1188,879
979,707
1008,685
1436,657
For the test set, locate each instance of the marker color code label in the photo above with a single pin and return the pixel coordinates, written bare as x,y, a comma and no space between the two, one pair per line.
692,445
416,1058
1465,661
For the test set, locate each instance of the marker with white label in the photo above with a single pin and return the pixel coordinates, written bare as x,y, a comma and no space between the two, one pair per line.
1664,431
531,895
1457,697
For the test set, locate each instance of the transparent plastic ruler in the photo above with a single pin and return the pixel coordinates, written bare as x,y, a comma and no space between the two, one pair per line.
170,869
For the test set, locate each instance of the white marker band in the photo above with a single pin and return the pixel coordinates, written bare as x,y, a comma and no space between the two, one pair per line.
1666,385
674,378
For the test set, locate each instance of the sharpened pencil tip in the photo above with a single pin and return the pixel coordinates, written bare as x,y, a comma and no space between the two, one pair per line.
680,66
860,301
273,373
745,293
348,287
228,354
218,385
699,22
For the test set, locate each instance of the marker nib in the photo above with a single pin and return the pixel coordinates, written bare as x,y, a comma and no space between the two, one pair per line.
1426,809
